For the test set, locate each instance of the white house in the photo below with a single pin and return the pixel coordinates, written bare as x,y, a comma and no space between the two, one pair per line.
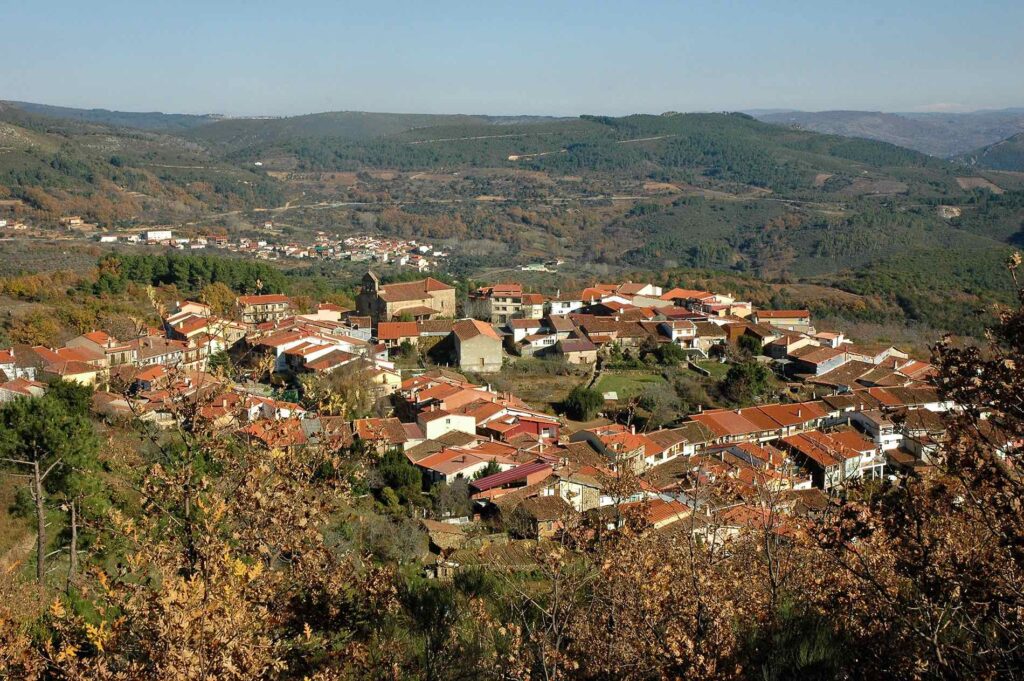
159,235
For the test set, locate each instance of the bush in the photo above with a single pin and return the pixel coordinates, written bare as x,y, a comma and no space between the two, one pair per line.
746,381
583,403
670,353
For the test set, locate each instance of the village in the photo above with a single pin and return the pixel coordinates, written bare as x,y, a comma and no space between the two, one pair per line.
422,358
269,245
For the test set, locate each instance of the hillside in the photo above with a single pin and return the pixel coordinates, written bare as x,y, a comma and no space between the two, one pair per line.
728,147
1007,154
150,120
724,192
236,133
937,134
111,175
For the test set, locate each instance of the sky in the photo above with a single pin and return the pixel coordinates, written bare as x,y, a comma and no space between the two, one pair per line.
494,57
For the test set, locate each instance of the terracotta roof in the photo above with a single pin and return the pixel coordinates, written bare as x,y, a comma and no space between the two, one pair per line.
433,415
709,330
332,360
23,386
816,355
820,447
70,368
659,512
380,429
396,330
525,323
854,440
99,337
273,433
411,290
508,289
466,329
151,373
782,314
434,326
576,345
545,508
265,299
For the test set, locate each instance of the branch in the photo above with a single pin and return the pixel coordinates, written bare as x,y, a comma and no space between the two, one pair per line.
17,461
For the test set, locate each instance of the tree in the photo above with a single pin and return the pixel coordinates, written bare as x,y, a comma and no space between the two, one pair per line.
746,381
343,392
219,297
583,403
56,444
34,328
750,345
932,568
491,468
670,353
452,500
661,403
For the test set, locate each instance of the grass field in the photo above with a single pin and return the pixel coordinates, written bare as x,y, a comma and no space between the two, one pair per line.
13,530
717,369
627,384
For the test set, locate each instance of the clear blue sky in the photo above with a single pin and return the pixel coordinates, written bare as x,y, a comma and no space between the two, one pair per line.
549,57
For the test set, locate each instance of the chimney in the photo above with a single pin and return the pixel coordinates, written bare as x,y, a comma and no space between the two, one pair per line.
632,428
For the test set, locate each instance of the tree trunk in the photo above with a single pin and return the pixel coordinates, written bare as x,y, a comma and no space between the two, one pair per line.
73,566
37,494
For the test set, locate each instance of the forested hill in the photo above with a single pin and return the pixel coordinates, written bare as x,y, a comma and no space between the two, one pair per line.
148,120
719,191
1006,154
235,133
732,147
116,175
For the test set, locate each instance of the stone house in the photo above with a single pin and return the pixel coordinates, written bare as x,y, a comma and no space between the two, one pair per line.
477,346
417,300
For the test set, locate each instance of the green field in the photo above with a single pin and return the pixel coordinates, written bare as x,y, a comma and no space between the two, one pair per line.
627,384
718,370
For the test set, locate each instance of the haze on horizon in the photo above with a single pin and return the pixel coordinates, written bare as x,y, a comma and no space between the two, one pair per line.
544,58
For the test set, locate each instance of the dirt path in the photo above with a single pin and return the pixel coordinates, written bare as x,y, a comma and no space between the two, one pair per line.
595,373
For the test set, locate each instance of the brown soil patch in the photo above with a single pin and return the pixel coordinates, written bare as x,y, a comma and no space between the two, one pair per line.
660,187
970,183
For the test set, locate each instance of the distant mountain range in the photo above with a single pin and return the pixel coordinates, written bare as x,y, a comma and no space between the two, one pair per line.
945,135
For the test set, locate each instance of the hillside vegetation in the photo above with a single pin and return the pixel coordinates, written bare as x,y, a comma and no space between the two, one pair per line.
148,120
235,133
1007,154
912,232
113,175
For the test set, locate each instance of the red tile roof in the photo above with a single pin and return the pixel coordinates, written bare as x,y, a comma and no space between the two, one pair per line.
397,330
783,314
471,328
265,299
